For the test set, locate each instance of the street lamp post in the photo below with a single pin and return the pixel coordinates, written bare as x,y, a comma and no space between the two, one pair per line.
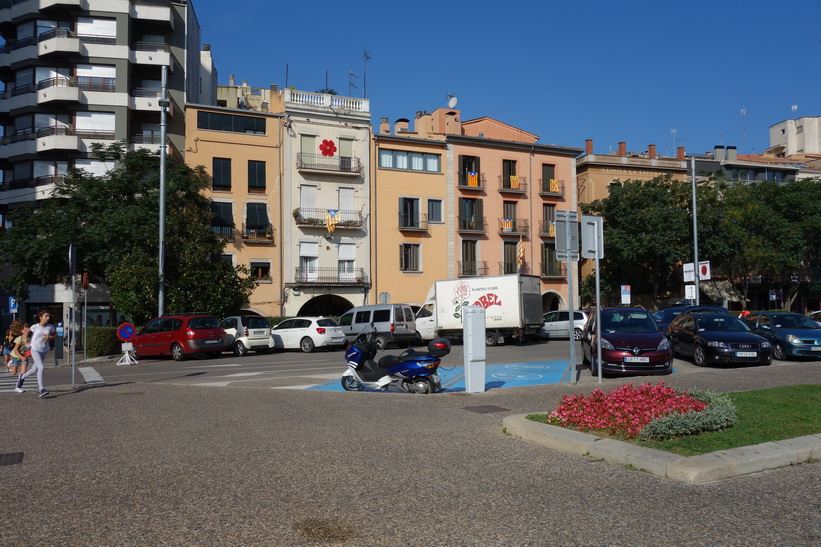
695,230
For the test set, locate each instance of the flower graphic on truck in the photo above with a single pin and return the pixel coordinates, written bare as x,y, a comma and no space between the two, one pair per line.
461,292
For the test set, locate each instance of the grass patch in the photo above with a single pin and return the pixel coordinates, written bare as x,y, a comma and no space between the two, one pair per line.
764,415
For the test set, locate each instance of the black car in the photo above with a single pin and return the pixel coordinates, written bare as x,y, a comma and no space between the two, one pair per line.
665,316
717,338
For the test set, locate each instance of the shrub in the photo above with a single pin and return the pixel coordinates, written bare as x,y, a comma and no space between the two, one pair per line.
102,341
719,414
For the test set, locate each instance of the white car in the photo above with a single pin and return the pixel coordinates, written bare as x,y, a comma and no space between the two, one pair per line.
816,316
247,332
556,323
307,334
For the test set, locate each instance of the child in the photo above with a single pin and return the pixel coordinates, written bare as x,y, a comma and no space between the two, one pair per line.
14,331
20,351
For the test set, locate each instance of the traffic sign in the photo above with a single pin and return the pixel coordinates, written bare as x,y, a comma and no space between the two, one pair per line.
625,294
592,236
572,256
126,332
12,304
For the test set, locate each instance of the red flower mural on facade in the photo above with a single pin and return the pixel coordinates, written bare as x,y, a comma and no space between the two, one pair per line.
327,148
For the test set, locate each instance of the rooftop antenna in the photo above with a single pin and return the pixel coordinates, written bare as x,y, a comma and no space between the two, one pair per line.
365,58
794,107
350,83
452,100
744,127
673,132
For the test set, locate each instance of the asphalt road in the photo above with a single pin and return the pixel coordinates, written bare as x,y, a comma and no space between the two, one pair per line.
147,460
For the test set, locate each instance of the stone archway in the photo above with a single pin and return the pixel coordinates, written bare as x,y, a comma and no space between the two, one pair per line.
326,305
552,301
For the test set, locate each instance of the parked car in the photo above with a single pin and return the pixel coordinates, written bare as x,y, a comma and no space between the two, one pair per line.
307,334
394,323
556,323
180,335
247,332
632,343
791,334
816,316
717,338
665,315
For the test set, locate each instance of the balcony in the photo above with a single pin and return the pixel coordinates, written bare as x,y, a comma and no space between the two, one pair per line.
413,223
58,41
342,165
331,276
309,102
472,268
225,231
547,228
42,139
472,225
152,10
20,184
328,218
512,268
551,188
512,184
469,180
513,227
258,234
554,270
151,53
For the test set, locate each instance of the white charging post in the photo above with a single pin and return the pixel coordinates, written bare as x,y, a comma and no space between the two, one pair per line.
473,338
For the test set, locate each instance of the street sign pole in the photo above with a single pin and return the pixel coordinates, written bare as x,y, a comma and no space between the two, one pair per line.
567,243
593,232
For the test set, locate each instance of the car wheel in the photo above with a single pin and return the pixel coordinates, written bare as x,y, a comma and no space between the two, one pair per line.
307,345
381,342
577,334
177,353
698,357
778,352
594,368
240,349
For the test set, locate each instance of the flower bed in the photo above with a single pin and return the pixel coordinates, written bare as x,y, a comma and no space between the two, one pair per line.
647,412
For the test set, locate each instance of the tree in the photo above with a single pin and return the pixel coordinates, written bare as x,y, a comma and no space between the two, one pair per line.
113,222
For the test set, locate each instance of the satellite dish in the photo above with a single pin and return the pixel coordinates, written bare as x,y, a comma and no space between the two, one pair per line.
452,100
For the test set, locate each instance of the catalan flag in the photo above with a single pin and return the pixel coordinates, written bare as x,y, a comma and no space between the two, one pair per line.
473,178
554,186
332,219
514,182
507,225
551,231
520,254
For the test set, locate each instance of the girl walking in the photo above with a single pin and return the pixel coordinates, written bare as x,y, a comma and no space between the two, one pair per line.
41,333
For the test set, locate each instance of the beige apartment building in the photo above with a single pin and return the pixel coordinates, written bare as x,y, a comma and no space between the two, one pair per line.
500,189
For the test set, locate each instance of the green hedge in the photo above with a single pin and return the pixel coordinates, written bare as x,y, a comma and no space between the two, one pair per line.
102,341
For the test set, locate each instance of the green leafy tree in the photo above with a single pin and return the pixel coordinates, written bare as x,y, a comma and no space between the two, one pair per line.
113,222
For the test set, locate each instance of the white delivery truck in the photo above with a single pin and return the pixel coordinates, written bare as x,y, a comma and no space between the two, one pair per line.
512,303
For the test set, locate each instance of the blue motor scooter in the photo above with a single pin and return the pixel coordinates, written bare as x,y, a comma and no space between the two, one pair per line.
415,372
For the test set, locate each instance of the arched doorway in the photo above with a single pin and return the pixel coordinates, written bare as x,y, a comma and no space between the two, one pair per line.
327,305
552,301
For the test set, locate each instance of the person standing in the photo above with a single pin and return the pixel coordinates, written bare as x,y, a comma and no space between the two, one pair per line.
41,333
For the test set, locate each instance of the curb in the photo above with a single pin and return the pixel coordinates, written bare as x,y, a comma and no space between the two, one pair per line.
693,470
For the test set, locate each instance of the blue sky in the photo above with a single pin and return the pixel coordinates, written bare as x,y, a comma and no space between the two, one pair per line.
611,71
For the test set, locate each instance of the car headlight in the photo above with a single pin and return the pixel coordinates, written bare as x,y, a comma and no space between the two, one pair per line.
793,339
716,344
664,345
606,345
765,345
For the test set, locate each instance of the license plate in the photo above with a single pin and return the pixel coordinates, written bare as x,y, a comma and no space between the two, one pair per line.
631,359
212,341
746,354
259,332
337,339
815,348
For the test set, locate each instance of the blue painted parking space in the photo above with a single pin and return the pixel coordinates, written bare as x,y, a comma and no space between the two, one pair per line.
496,376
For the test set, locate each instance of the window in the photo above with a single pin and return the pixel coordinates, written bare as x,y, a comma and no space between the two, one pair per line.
550,264
409,161
470,214
509,178
549,219
549,182
469,174
435,210
256,177
345,154
230,122
308,150
509,249
261,271
470,266
221,174
347,261
409,213
222,222
308,259
409,257
256,222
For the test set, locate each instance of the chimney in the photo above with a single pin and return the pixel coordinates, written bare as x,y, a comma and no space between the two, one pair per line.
651,151
244,83
680,155
231,79
400,126
718,153
622,149
588,146
385,127
206,47
732,153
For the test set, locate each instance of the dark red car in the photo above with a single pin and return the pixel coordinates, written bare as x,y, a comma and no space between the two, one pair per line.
180,335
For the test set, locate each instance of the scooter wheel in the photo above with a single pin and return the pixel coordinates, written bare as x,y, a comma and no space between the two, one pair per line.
349,383
422,387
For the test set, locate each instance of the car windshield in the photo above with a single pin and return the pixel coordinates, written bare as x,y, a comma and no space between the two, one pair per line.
628,321
793,321
725,323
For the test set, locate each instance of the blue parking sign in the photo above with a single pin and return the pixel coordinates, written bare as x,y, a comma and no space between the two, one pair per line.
12,304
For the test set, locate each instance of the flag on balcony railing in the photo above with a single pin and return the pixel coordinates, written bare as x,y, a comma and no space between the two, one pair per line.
332,219
551,230
554,186
473,178
507,225
514,182
520,254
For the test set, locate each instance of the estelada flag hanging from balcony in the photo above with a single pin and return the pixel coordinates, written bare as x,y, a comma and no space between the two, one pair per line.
514,182
473,178
507,225
520,254
332,219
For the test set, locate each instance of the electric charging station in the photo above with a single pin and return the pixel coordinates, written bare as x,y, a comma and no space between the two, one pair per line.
473,338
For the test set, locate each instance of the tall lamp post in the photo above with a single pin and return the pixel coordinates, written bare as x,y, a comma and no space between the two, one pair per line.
695,230
164,103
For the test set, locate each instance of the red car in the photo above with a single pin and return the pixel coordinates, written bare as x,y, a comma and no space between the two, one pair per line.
180,335
632,343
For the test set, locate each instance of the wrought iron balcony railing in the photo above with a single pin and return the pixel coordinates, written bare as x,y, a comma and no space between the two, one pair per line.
513,267
547,228
472,225
551,187
470,180
553,269
223,230
413,223
318,162
339,218
258,234
514,226
513,183
331,276
472,268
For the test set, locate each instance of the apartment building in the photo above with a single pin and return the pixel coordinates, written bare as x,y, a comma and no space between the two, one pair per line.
79,73
502,190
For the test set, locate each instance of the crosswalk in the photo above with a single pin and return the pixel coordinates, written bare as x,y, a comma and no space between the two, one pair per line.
9,381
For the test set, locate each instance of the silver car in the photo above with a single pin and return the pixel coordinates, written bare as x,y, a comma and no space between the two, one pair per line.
556,323
247,332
